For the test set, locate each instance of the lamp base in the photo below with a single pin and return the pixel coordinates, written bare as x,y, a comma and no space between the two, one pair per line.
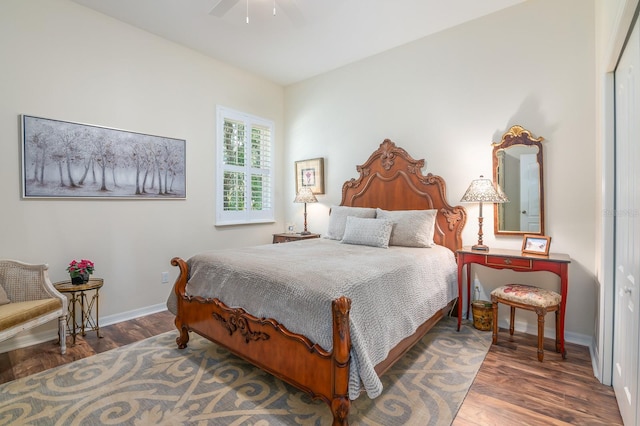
305,233
480,247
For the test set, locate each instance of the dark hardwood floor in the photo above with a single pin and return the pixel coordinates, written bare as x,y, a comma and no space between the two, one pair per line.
512,387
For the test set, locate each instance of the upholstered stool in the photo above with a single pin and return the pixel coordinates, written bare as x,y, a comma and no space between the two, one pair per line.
532,299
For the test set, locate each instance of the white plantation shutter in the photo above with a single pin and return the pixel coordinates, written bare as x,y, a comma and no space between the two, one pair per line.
244,175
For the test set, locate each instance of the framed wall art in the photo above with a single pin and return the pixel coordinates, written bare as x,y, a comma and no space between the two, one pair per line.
310,173
536,244
62,159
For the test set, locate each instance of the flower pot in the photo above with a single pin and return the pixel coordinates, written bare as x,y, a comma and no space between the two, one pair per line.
80,279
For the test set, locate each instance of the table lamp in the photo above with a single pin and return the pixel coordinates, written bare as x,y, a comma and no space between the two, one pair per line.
305,195
482,190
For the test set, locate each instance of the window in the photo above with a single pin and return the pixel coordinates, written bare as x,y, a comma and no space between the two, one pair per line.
244,174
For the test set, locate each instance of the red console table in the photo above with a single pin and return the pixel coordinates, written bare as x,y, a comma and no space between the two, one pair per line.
516,261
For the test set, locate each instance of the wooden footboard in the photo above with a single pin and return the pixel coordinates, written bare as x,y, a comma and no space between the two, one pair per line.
270,346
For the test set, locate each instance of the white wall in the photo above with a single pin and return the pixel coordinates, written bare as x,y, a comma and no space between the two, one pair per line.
445,98
63,61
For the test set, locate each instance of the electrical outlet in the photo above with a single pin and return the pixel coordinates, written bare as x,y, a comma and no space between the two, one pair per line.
165,277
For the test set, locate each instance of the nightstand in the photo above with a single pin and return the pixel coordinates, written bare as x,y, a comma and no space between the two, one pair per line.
286,238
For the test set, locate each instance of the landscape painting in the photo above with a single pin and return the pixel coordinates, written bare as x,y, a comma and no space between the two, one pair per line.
63,159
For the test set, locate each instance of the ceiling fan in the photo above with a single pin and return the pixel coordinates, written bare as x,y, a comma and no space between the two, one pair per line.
288,6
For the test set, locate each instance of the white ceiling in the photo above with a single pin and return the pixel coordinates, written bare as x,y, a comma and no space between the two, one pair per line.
304,38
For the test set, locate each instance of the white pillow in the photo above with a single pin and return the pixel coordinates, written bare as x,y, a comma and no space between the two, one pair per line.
411,228
367,232
338,219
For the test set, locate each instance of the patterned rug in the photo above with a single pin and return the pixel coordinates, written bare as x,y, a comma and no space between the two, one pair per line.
153,383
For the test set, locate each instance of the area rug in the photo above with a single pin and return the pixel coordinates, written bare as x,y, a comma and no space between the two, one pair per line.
154,383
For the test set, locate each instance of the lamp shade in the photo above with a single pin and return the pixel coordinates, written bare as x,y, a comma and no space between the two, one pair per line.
482,190
305,195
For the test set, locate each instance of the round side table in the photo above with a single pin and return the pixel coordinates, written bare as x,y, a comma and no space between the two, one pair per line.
79,297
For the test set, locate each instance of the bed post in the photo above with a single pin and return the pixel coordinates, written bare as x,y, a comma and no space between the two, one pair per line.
180,289
340,404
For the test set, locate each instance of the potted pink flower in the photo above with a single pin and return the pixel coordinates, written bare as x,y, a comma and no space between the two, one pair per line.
80,271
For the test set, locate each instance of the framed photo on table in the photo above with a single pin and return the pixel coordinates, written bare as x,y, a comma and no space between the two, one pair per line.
310,173
536,244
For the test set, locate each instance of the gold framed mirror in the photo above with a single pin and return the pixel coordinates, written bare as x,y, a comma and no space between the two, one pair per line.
518,173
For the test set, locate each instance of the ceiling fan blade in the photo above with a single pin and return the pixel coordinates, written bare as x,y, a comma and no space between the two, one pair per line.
292,11
222,7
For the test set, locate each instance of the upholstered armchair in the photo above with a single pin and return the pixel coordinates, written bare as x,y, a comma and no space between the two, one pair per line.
29,299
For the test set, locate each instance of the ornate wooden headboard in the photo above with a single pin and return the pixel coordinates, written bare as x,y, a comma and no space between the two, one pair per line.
392,180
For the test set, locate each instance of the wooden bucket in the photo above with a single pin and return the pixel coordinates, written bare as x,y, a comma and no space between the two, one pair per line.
482,315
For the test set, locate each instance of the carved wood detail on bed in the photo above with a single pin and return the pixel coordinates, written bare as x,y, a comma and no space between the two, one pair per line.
391,180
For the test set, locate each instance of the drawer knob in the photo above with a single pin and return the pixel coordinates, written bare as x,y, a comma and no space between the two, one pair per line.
507,261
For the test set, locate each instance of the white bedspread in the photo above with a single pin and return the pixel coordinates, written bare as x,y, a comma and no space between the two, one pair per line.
393,291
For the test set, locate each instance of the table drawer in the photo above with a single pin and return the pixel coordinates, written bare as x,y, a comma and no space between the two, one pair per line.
510,262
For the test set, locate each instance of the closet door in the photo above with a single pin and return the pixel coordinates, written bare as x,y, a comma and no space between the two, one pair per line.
627,236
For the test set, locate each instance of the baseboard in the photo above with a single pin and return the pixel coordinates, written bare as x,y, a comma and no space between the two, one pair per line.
28,338
595,359
550,332
136,313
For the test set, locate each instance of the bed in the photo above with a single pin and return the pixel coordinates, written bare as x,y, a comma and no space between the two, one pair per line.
318,314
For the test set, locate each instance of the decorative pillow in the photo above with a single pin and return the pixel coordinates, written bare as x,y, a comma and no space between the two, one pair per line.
338,219
367,232
411,228
4,299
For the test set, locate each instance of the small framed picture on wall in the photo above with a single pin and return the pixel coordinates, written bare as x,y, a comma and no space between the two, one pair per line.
536,244
310,173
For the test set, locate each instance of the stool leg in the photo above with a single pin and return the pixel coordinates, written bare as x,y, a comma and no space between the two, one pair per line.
541,312
511,319
494,306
